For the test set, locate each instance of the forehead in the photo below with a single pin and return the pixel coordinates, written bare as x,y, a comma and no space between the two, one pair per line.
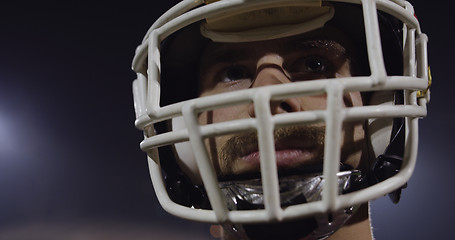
328,38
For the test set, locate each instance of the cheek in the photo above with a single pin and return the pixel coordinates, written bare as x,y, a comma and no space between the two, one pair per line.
356,99
311,103
214,144
353,144
223,115
359,133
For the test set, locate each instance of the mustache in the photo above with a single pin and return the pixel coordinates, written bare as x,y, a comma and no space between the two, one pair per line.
240,145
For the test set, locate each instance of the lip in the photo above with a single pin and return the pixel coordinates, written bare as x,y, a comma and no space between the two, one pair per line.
285,158
288,153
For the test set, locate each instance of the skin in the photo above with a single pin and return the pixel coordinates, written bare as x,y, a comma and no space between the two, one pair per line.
318,55
232,67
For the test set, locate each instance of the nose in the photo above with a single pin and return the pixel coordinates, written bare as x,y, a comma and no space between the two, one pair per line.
270,71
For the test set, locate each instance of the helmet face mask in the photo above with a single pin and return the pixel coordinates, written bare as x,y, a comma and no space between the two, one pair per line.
227,106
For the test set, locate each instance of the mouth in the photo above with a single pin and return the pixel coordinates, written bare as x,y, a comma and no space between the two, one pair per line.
285,158
289,153
295,148
292,158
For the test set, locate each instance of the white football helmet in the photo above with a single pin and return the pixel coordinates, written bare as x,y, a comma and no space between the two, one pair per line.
392,53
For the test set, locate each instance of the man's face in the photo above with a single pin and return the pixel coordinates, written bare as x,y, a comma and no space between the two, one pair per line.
228,67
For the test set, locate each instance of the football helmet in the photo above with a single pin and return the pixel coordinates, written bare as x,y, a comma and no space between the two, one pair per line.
392,74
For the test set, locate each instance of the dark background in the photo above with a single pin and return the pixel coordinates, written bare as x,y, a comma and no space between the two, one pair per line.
70,163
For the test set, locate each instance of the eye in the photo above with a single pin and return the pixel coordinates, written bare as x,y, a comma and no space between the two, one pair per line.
235,73
315,64
312,67
311,64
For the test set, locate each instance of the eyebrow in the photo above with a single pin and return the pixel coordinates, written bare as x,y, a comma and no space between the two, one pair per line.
232,53
226,54
328,45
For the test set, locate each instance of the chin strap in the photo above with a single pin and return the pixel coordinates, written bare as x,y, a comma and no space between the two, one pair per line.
182,191
296,189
